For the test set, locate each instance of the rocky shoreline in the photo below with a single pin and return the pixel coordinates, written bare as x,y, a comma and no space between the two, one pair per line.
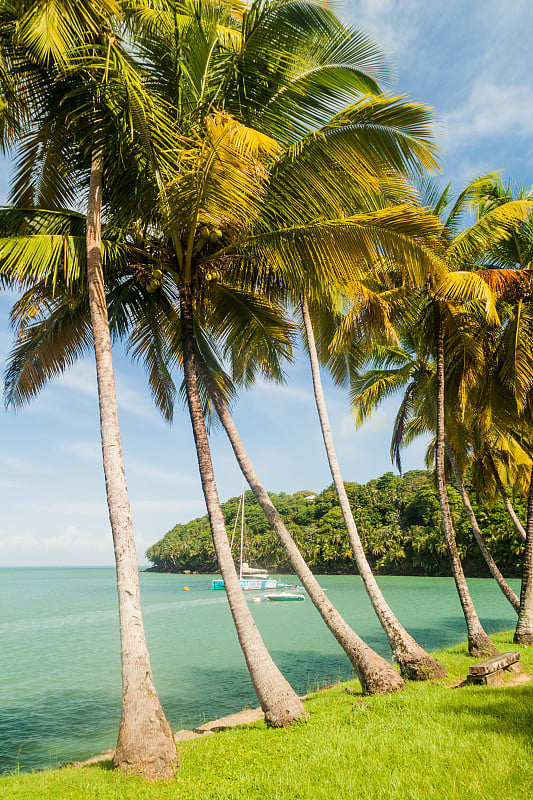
245,717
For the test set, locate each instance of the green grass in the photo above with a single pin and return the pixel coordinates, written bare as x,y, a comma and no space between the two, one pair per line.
429,741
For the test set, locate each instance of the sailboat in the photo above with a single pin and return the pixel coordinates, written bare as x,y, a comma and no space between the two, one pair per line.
251,578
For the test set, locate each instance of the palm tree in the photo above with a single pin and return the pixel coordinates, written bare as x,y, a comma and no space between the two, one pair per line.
375,674
41,48
503,494
414,662
493,567
436,317
512,374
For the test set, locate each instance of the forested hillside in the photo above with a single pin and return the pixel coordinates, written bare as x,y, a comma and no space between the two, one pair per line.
398,520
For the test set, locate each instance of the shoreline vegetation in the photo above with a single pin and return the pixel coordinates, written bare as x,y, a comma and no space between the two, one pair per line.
477,740
398,518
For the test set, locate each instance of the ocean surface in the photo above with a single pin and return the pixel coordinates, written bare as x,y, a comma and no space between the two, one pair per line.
60,652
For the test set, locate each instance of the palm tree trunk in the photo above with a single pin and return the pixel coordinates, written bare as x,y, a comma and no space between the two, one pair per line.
376,675
281,705
145,742
414,662
524,628
505,497
479,644
493,567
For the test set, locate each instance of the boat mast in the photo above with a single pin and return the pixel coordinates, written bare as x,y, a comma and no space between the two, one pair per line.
242,531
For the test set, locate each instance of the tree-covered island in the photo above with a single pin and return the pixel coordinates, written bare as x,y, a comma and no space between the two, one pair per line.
398,518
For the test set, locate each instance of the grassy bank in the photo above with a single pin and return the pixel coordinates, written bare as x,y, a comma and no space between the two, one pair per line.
430,741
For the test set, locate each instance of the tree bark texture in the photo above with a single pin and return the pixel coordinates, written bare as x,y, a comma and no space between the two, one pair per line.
493,567
145,742
375,674
524,628
414,662
280,703
505,497
479,644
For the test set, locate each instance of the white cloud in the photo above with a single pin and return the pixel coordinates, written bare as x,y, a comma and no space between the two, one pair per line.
191,507
23,465
491,111
82,379
394,24
381,421
91,451
87,451
75,508
289,391
155,473
72,539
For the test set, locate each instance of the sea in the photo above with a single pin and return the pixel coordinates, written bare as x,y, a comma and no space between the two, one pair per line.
60,651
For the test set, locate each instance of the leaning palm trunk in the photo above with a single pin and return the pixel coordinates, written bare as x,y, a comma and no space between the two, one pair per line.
376,675
479,643
524,628
145,742
281,705
414,662
505,497
493,567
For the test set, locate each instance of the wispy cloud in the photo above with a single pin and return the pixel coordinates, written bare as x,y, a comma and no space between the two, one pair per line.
380,422
71,539
156,473
82,379
23,465
87,451
191,507
91,451
394,24
288,391
98,508
490,112
73,508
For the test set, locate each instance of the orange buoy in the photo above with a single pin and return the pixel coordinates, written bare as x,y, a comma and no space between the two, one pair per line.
186,589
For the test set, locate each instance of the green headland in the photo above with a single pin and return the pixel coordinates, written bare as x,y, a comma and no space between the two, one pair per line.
398,518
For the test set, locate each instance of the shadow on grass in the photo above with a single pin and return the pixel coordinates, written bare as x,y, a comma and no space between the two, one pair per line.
104,766
507,711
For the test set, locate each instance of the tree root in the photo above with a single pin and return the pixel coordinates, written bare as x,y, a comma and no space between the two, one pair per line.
480,646
420,667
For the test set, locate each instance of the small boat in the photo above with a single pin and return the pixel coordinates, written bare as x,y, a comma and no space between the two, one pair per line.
252,579
284,597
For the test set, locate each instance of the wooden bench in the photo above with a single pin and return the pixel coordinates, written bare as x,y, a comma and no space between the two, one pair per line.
491,671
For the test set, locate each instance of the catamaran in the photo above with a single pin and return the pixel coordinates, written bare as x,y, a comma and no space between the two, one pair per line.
252,579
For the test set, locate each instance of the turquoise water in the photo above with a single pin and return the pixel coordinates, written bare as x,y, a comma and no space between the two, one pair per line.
60,652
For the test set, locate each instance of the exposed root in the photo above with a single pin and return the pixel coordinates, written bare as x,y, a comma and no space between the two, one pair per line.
480,646
523,638
286,719
381,680
420,667
283,713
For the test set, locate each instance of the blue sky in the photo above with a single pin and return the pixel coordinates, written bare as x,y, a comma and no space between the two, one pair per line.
471,61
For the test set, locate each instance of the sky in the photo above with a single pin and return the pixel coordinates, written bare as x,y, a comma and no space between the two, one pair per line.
471,62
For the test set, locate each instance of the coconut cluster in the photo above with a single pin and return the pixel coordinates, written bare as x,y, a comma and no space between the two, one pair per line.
156,280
